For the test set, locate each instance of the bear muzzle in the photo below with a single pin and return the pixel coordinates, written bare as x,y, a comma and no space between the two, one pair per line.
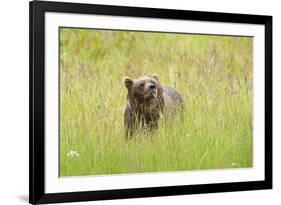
151,93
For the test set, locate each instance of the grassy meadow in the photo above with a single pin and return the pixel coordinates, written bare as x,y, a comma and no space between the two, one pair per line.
213,74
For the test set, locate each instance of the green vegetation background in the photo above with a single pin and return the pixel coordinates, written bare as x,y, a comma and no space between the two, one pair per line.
213,73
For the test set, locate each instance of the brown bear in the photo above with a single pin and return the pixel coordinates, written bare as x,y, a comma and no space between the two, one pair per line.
146,100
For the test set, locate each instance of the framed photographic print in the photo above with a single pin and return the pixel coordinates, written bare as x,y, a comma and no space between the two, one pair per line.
140,102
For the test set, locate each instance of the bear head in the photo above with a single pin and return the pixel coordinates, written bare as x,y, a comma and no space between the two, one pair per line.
144,90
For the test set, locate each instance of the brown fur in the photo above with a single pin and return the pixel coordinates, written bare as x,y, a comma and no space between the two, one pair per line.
146,100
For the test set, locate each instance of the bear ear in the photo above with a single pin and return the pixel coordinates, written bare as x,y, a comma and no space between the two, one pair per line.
155,76
128,82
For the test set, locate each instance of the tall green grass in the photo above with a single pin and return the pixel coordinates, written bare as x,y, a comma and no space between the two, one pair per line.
213,74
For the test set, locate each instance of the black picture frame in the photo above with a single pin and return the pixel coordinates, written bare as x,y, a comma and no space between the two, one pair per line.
37,10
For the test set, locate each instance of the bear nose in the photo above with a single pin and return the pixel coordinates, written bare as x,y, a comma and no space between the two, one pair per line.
152,87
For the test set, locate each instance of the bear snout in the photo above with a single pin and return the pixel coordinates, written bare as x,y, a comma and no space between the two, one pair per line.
151,92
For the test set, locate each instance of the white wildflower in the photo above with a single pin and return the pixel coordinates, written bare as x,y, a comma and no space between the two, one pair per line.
73,153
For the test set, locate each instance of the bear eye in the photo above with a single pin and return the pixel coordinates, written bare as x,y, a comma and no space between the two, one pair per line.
141,84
